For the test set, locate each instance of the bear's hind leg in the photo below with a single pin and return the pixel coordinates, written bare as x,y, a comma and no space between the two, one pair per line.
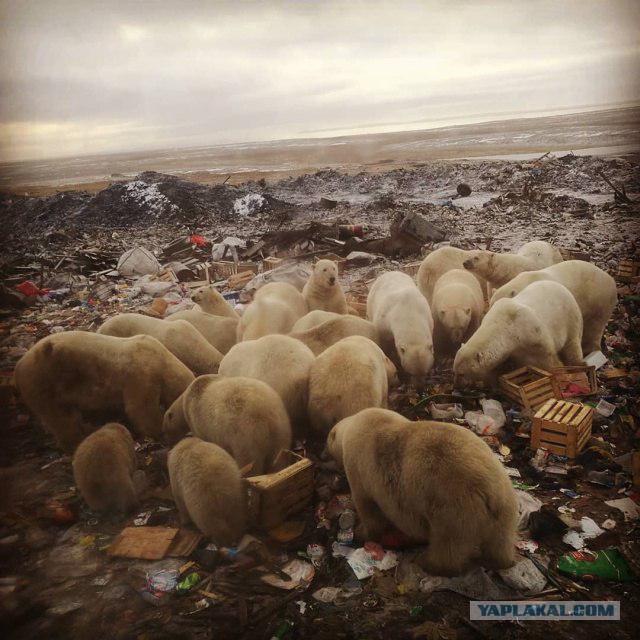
571,353
452,545
66,425
373,522
142,407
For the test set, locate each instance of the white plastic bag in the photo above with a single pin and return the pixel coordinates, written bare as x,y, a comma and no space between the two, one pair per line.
138,262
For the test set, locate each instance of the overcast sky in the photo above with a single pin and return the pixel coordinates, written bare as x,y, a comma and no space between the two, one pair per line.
91,76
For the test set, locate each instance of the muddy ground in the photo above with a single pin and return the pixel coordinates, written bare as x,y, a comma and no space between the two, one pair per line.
58,580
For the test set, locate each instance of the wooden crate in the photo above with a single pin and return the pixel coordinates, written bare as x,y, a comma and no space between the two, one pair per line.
274,497
528,387
562,427
411,269
628,271
582,375
224,268
238,280
272,262
575,254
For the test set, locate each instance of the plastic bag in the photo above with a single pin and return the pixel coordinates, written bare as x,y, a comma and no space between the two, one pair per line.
494,410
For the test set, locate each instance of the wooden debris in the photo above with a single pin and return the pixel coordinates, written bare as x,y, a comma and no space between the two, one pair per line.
528,387
562,427
145,543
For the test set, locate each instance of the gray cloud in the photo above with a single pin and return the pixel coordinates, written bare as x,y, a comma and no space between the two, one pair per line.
87,77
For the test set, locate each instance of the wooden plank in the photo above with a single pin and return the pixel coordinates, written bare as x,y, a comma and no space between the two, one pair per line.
553,410
569,415
586,410
582,440
553,436
145,543
554,448
545,408
562,412
553,426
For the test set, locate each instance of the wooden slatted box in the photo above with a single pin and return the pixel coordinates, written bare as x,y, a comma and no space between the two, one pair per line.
528,387
628,271
274,497
562,427
581,375
224,268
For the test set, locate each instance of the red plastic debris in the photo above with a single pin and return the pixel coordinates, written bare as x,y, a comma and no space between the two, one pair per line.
197,240
27,288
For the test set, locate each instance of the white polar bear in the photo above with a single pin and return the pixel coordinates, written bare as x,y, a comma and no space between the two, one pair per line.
594,290
313,319
348,376
458,307
323,335
499,268
275,309
244,416
404,321
323,290
218,331
435,482
210,300
541,327
439,262
280,361
179,337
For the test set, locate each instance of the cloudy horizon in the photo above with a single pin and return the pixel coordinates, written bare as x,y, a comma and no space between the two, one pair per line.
88,77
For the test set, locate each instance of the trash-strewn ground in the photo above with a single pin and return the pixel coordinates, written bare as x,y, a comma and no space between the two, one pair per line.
57,577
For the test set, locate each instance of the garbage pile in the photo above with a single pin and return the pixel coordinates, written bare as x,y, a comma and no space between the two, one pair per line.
149,199
69,570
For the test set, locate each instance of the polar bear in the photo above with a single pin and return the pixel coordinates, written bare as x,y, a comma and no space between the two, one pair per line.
280,361
275,309
349,376
180,337
103,466
458,307
208,490
499,268
436,264
541,327
244,416
68,380
437,483
218,331
323,335
323,290
209,300
313,319
594,290
404,321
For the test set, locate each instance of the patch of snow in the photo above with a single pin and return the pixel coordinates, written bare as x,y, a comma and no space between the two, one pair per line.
248,205
149,196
